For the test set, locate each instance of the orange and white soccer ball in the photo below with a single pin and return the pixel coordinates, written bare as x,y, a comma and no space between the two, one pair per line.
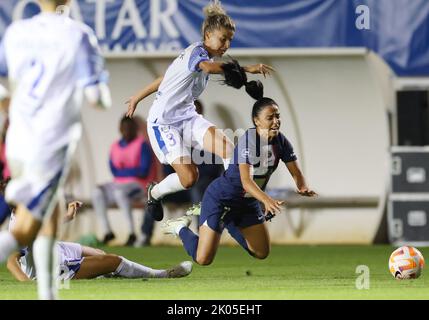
406,263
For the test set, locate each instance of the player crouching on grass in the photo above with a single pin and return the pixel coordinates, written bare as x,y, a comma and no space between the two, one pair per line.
232,201
82,262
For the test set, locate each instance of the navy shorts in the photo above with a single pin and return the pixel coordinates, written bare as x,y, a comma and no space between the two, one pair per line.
219,211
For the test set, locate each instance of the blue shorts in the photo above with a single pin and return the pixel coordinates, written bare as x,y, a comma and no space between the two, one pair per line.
218,211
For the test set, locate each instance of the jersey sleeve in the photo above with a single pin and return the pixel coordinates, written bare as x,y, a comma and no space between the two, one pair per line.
198,54
90,63
247,148
287,152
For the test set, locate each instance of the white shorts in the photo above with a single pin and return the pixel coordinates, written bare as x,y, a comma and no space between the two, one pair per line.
172,142
70,255
35,178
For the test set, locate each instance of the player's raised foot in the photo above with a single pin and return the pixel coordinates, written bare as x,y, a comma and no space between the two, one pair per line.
181,270
170,226
195,210
154,206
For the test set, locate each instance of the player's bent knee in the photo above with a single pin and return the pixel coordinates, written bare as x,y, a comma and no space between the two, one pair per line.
189,179
261,254
112,258
187,183
23,237
204,260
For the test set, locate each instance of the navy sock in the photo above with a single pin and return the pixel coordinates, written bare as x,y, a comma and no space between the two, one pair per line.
238,236
4,209
190,241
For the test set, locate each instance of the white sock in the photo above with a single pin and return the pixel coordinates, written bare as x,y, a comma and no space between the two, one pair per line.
8,244
130,269
44,260
226,163
178,228
170,184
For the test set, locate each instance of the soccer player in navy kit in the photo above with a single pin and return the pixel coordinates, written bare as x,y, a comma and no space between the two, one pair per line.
233,200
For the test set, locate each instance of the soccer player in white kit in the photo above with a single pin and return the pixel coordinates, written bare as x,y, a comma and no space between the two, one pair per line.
51,62
173,124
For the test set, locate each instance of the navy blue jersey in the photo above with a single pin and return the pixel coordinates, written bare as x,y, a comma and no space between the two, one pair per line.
262,155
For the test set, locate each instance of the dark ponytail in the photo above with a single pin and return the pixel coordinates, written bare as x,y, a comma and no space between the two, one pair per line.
255,89
236,77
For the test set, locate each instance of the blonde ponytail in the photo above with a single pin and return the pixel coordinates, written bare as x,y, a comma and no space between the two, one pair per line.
216,18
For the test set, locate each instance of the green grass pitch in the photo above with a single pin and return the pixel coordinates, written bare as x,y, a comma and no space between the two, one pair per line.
290,272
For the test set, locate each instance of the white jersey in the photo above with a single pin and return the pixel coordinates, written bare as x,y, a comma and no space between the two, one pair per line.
48,59
70,260
183,82
69,253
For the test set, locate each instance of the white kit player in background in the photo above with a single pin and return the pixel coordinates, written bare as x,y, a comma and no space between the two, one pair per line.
173,123
81,262
51,62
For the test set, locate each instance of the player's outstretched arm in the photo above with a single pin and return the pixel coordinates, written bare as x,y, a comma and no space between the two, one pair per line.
261,68
139,96
214,67
270,204
15,269
211,67
300,182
